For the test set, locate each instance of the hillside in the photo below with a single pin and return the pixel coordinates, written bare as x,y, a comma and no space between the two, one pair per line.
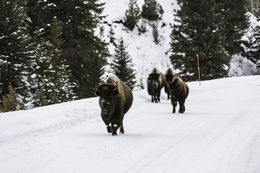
218,133
144,52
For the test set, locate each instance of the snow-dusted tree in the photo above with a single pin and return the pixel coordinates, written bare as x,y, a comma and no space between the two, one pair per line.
152,10
122,64
111,35
155,34
233,21
252,47
52,79
16,49
132,15
82,47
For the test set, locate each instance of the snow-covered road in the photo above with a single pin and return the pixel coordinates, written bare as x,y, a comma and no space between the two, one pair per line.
218,133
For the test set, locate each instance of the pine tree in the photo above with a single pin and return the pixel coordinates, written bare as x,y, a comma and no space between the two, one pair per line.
155,34
53,78
81,46
122,65
252,48
111,35
233,23
200,30
152,10
132,15
16,49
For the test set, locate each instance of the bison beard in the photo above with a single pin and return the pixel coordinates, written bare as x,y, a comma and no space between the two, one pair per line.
115,99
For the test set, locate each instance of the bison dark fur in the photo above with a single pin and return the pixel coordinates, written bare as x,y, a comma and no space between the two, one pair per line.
115,99
168,76
179,90
155,82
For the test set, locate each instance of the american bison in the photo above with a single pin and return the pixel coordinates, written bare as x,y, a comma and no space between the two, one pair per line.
179,90
115,99
155,82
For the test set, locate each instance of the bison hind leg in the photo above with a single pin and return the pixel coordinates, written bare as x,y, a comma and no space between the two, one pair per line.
122,130
182,107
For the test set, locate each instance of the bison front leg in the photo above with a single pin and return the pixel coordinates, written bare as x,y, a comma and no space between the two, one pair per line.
115,126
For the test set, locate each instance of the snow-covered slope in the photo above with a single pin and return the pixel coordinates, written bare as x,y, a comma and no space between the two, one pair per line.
218,133
144,52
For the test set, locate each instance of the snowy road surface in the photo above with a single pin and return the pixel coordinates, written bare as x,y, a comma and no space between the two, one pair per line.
218,133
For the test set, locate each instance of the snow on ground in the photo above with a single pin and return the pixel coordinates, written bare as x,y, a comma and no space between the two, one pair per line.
218,133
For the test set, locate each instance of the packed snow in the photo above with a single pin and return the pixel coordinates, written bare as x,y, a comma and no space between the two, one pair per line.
218,133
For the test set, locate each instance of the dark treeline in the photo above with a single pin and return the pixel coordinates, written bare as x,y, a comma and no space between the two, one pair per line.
212,29
49,52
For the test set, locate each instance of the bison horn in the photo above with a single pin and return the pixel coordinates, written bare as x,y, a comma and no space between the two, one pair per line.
115,91
98,89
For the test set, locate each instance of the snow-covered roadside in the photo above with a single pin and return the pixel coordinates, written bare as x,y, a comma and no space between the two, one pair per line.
218,133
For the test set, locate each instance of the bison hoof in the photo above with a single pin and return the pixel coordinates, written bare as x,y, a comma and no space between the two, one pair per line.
173,111
114,134
122,131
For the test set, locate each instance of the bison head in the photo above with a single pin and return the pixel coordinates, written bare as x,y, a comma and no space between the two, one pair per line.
154,81
168,78
106,93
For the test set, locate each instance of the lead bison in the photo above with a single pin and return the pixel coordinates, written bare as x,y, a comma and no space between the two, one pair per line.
155,82
179,90
115,99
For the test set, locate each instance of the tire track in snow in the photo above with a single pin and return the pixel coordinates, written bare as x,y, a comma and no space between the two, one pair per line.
171,145
49,128
163,148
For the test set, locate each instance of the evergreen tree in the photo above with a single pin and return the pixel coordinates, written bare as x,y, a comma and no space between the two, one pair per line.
155,34
53,75
200,30
252,48
81,46
152,10
122,65
233,21
111,35
16,49
132,15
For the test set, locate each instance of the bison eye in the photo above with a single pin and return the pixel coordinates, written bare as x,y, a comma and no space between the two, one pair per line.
105,101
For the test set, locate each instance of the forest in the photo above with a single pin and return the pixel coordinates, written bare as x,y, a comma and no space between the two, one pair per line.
53,51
